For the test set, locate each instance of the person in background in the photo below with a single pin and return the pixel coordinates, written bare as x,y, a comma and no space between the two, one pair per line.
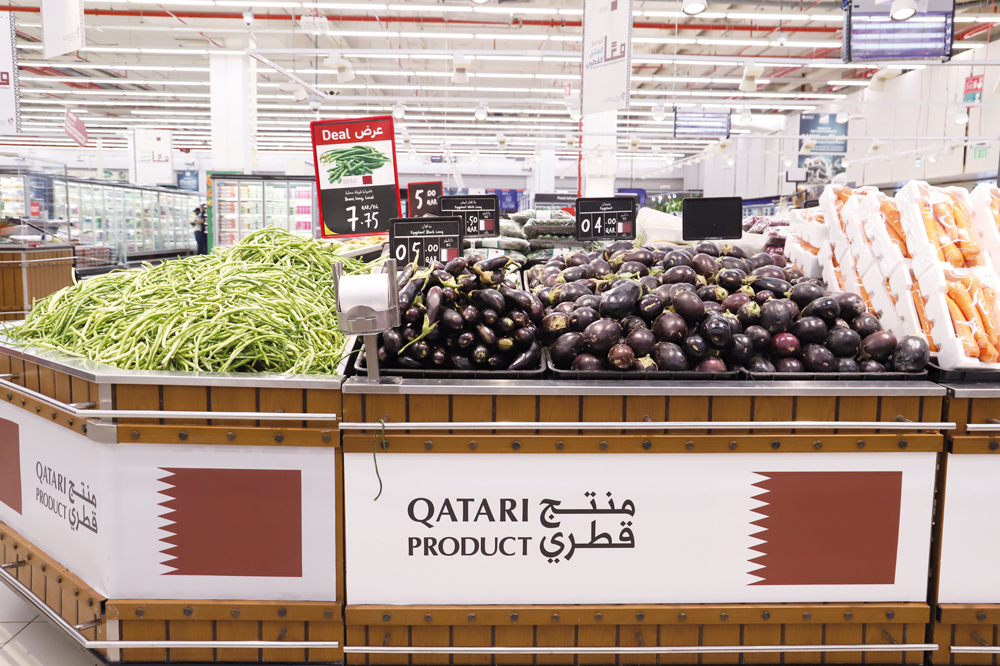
200,232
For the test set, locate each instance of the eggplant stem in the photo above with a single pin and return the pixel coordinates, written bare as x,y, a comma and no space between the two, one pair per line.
375,458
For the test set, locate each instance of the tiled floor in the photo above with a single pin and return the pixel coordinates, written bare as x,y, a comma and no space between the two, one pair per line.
26,639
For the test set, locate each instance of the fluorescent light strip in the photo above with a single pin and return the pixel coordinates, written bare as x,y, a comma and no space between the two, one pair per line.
91,79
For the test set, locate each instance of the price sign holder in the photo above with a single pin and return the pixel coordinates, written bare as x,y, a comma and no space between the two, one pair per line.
356,179
606,218
423,237
424,198
712,218
481,213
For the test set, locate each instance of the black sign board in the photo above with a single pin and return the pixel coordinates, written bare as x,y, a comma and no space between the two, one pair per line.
561,200
424,198
421,237
481,213
712,218
606,218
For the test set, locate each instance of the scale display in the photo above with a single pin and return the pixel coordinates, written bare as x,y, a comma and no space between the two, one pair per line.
605,218
420,238
481,213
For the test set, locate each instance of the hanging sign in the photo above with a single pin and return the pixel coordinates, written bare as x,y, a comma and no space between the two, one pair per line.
62,27
606,218
607,55
355,163
152,157
973,89
10,93
75,128
424,198
425,238
481,213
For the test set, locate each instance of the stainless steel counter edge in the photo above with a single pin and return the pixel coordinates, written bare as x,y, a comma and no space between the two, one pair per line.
396,386
981,390
99,373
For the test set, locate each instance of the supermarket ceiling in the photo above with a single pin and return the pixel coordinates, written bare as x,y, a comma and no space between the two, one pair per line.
147,64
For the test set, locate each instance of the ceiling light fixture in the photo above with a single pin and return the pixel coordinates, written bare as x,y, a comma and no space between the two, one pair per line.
659,112
730,161
903,10
599,158
788,162
461,72
932,158
481,112
842,117
398,111
845,163
962,117
412,155
751,71
474,156
248,18
693,7
537,156
574,112
746,117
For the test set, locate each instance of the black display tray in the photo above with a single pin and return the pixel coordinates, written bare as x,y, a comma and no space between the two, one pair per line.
449,373
974,376
833,376
631,375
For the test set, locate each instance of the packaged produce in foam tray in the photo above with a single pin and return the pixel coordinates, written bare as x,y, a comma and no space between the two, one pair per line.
938,225
985,208
809,225
883,229
804,255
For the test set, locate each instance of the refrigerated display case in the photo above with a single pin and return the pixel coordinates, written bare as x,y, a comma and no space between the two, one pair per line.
33,194
242,204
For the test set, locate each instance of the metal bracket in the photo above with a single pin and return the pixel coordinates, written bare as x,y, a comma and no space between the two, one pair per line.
979,639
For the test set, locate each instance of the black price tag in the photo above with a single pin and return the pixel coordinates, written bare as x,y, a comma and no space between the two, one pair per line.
424,198
712,218
481,213
425,238
605,218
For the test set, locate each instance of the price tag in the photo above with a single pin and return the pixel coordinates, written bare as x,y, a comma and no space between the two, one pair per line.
355,175
424,199
605,218
481,214
420,238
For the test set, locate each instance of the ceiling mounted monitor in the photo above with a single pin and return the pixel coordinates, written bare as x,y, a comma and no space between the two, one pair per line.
887,30
689,123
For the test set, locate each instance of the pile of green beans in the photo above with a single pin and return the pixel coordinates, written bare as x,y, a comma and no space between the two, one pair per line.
353,161
264,305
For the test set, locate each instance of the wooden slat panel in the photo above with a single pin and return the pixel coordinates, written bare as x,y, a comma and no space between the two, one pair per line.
283,631
233,399
917,633
333,631
804,634
815,408
424,636
81,391
514,636
942,636
513,408
873,636
559,408
963,636
186,398
191,630
388,635
47,382
731,408
138,630
391,406
638,407
63,390
933,408
37,581
687,408
355,635
323,401
473,636
598,635
602,408
628,636
858,408
352,407
720,634
275,400
773,408
982,409
237,630
473,408
555,636
761,634
31,376
898,405
431,408
843,634
17,367
137,397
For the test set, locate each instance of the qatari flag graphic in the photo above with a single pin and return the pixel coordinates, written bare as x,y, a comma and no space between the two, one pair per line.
828,528
10,465
220,517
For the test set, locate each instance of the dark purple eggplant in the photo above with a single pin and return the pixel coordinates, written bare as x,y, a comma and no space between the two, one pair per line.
817,358
749,314
771,272
582,318
707,247
409,333
650,307
670,327
866,324
618,302
733,251
602,335
847,365
631,323
679,287
733,302
617,259
577,258
634,268
599,268
554,325
460,362
572,274
565,308
489,298
567,292
470,314
785,345
871,365
840,323
663,293
774,285
676,258
393,341
649,283
645,364
641,340
705,265
486,334
878,346
617,246
513,298
810,329
843,342
851,305
525,337
711,364
805,293
678,274
480,354
445,279
490,317
740,350
763,296
793,272
466,340
762,259
716,330
621,357
911,355
439,357
413,315
735,263
528,360
775,317
713,307
825,308
408,362
789,365
505,344
688,305
587,362
730,279
420,350
793,309
521,318
405,275
543,294
695,346
669,357
588,301
658,257
760,364
760,338
497,361
640,255
433,304
566,348
383,356
711,292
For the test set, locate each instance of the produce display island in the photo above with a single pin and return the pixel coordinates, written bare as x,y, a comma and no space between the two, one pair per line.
30,272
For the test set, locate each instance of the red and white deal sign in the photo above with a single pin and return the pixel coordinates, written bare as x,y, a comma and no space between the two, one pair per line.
356,175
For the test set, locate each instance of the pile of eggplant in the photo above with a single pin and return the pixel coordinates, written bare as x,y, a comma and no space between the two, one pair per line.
467,314
706,309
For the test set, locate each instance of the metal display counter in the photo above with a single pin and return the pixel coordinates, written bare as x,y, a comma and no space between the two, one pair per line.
167,516
561,522
32,272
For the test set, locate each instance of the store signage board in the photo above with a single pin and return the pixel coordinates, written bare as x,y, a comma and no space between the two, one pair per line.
481,213
10,92
711,218
869,34
152,157
970,536
188,181
606,55
506,529
75,128
973,89
35,209
62,27
109,512
606,218
424,198
423,238
355,162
